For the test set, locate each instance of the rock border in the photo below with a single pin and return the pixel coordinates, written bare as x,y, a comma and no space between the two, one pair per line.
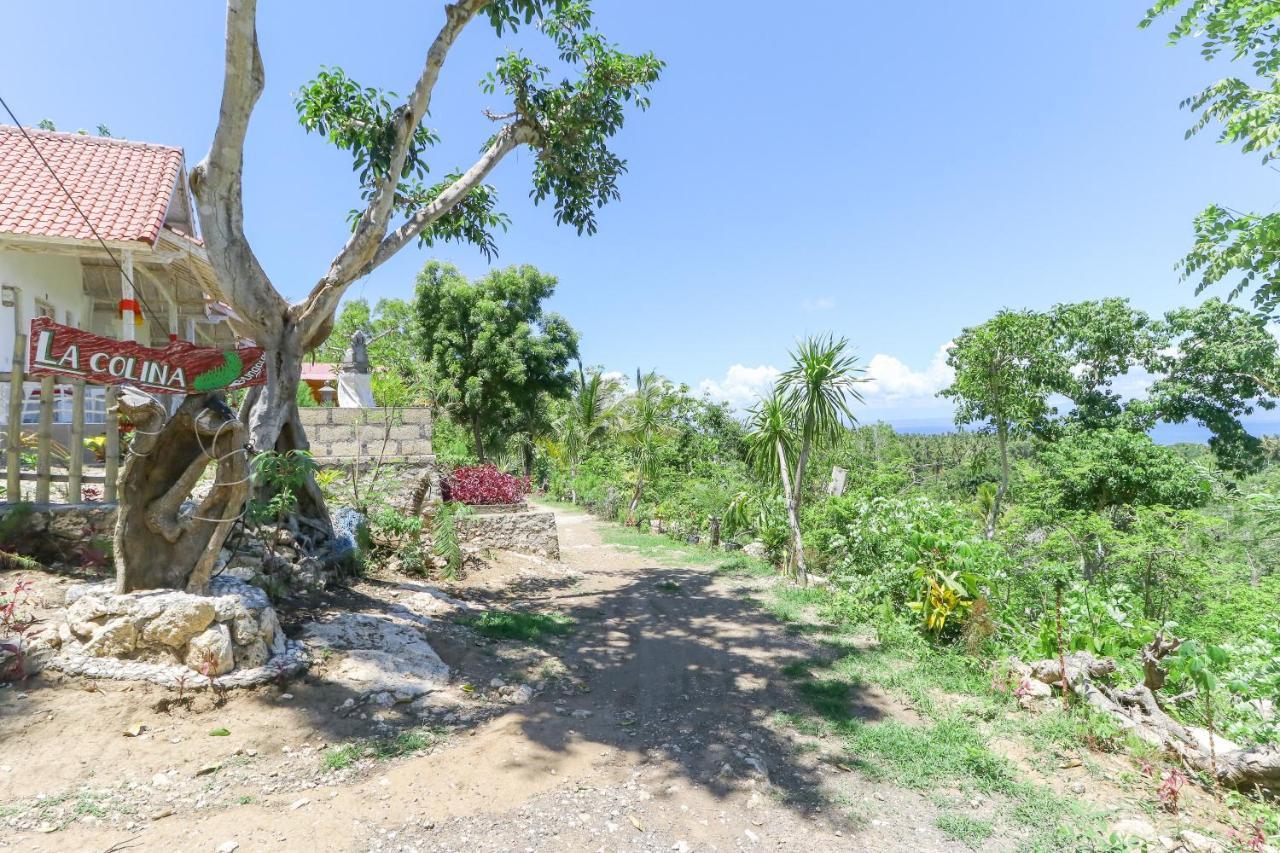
292,661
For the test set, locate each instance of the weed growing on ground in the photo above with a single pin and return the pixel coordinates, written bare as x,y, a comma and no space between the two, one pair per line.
518,625
969,831
402,743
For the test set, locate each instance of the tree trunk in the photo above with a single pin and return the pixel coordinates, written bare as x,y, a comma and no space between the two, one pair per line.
159,543
573,481
793,518
1002,436
635,499
477,438
802,463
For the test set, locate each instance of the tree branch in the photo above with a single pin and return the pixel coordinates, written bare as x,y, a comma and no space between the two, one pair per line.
374,222
324,298
508,139
217,182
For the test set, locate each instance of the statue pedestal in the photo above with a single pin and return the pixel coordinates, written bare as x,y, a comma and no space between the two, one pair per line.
355,391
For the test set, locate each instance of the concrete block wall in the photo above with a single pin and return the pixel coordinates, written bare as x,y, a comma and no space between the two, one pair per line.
343,434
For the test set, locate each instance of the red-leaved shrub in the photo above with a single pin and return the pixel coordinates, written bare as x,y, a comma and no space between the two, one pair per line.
485,484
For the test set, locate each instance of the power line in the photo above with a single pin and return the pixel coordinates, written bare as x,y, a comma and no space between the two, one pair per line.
136,290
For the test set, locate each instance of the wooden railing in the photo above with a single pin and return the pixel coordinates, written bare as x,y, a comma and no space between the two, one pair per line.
20,439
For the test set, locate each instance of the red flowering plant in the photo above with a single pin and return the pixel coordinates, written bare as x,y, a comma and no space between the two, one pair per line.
485,484
17,625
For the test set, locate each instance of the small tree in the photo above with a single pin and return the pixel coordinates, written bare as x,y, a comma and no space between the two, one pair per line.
818,387
493,348
646,420
808,408
771,449
1005,370
568,119
585,418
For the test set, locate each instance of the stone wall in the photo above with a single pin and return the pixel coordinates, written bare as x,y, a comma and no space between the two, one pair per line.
48,531
524,532
343,434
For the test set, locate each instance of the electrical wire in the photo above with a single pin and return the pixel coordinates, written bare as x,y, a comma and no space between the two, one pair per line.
136,291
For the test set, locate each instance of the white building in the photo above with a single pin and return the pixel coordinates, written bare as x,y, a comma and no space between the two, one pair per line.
136,270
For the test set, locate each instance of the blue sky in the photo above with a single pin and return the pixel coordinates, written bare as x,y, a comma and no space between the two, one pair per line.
888,172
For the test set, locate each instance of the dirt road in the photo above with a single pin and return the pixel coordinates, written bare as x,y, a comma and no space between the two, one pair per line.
653,728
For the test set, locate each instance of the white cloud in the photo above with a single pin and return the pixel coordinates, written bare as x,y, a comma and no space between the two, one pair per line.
822,303
890,380
741,385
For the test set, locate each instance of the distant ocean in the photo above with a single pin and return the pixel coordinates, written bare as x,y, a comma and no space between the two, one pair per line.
1162,434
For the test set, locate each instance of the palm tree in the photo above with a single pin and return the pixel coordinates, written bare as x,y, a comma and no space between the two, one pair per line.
586,418
808,407
646,418
771,443
818,388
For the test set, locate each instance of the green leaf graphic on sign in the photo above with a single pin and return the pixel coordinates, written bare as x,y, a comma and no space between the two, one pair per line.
220,376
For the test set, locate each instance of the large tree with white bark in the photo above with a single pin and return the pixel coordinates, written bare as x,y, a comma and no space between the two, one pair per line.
568,120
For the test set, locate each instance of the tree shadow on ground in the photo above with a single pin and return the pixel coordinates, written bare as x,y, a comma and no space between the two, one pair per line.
667,665
671,665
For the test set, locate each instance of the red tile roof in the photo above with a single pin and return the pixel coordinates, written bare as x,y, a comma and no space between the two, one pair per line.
319,371
123,187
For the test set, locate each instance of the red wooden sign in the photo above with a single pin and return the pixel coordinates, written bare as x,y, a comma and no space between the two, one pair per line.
179,368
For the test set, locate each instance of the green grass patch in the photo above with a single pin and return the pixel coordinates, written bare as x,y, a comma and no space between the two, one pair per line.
969,831
790,603
562,505
948,750
828,697
742,566
924,757
518,625
661,549
802,723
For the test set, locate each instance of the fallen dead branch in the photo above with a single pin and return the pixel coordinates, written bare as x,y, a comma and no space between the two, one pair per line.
1138,710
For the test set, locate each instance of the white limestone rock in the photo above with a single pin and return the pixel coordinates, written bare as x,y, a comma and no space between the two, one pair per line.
382,660
179,622
210,652
118,638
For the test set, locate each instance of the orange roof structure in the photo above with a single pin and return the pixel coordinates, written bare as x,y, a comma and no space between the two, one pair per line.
124,187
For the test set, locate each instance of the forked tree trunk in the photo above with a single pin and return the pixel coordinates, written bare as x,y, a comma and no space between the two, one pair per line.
159,543
1138,711
275,424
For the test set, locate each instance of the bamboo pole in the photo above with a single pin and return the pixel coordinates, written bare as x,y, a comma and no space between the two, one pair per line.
112,446
13,438
75,447
44,440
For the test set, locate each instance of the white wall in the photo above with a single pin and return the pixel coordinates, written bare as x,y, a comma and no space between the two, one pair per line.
52,278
